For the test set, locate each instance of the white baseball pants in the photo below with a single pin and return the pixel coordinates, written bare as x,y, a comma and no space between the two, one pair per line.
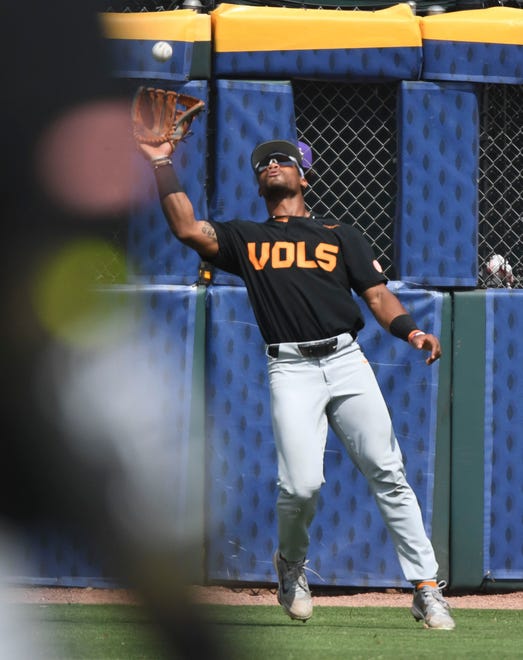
308,394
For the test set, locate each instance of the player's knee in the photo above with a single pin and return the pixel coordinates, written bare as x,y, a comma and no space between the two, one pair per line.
300,493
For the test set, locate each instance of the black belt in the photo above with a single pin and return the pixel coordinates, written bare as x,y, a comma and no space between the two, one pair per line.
315,349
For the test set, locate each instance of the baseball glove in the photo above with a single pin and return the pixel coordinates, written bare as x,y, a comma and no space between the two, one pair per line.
160,115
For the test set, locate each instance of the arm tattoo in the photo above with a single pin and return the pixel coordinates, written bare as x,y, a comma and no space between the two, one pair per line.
208,230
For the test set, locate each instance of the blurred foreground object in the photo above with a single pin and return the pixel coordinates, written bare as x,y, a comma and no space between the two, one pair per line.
79,444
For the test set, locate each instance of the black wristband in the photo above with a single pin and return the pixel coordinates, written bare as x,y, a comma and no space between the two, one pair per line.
166,181
402,326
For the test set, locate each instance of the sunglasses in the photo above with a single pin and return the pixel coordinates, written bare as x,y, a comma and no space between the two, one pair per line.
283,160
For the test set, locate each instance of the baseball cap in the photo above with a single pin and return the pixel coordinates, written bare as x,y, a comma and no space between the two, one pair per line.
306,155
284,147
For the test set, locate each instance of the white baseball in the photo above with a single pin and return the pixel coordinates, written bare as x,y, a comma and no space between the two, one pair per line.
162,51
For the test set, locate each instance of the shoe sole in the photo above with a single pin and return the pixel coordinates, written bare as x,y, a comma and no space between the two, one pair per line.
419,617
303,619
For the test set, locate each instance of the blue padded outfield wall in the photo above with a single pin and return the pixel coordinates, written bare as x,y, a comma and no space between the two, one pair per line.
436,227
280,42
459,422
349,542
141,381
487,448
503,459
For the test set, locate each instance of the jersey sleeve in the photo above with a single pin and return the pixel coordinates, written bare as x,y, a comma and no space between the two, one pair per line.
228,240
361,263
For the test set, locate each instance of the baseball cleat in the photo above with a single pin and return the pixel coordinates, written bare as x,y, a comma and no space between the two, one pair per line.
293,590
430,607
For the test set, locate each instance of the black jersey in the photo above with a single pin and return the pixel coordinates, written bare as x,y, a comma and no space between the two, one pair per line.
299,274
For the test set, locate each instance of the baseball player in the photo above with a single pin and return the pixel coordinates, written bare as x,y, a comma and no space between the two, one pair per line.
300,272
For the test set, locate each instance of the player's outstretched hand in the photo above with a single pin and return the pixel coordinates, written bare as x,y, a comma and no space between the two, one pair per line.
430,343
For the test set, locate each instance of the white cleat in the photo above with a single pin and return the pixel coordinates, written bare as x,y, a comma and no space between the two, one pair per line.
293,590
430,607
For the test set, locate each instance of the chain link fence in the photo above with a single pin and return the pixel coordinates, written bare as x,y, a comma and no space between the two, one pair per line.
352,131
501,186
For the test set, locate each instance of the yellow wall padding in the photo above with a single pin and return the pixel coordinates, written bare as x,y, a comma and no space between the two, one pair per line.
240,28
178,25
496,25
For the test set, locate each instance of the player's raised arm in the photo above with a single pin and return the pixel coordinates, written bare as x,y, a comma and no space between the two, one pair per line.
160,120
179,213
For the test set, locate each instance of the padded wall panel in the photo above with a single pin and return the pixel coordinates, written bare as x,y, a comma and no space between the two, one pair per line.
468,434
436,231
246,113
267,42
487,445
241,476
503,469
484,45
349,543
130,38
155,255
53,556
136,397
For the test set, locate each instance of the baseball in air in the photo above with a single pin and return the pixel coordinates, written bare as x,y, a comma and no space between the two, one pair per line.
162,51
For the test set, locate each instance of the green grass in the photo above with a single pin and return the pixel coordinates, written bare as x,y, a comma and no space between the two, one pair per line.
258,632
101,632
378,632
